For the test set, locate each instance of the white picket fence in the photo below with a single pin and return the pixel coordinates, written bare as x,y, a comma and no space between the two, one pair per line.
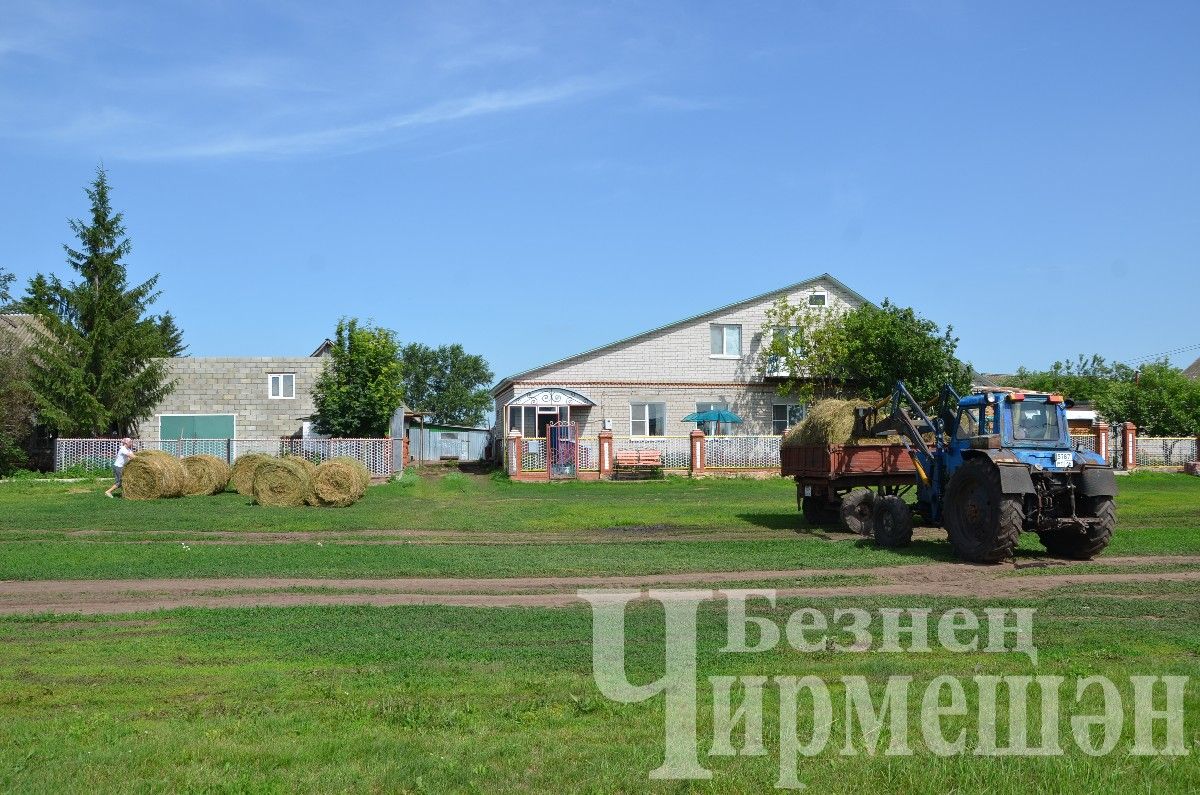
374,454
675,451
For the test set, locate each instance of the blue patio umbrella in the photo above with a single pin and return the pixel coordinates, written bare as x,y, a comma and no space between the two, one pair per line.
712,415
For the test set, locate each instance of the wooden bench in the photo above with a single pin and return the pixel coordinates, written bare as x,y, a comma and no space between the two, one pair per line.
630,464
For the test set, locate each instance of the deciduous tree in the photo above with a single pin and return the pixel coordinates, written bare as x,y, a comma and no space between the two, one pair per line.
447,382
360,388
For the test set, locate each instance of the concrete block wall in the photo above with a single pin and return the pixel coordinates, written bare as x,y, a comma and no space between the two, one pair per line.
239,386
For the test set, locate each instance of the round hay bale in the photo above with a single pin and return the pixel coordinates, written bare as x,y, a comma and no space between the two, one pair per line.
242,475
151,474
831,421
278,481
309,466
337,483
204,475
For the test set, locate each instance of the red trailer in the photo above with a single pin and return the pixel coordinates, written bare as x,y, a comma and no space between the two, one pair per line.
840,482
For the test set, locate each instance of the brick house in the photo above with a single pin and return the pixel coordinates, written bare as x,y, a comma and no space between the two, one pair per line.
643,386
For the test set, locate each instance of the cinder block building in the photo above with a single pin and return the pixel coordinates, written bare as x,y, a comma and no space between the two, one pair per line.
643,386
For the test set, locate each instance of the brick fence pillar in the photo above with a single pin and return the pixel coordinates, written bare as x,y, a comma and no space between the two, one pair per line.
1100,430
606,455
1129,446
515,449
696,468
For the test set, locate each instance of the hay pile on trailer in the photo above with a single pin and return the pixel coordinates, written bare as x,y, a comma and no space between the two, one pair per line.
338,482
242,476
152,474
280,482
831,421
204,475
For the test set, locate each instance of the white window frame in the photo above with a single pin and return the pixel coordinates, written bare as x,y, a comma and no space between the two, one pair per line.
645,418
724,330
787,417
271,386
824,296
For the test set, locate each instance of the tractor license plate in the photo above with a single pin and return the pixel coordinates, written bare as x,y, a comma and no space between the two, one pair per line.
808,491
1063,460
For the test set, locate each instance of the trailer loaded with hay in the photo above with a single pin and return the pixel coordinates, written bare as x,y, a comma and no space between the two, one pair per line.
840,470
987,466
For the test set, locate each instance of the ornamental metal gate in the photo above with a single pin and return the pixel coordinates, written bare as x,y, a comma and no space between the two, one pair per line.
562,441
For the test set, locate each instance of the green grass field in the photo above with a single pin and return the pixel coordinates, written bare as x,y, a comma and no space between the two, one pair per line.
70,531
456,699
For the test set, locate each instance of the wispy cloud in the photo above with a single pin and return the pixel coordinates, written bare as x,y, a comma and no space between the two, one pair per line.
373,133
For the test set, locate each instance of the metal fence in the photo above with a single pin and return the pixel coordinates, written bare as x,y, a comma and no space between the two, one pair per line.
1084,441
589,455
675,451
374,454
741,452
533,457
1165,451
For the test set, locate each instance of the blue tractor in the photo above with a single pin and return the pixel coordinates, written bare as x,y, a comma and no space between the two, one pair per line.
991,465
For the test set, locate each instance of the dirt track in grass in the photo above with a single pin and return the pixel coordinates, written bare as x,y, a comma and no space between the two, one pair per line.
928,579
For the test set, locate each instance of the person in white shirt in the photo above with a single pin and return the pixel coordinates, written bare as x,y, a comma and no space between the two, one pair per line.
124,453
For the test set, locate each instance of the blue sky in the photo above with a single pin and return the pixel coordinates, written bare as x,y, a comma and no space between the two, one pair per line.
535,179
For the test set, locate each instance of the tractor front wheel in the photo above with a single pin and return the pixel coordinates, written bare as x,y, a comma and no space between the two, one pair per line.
1089,544
982,521
892,522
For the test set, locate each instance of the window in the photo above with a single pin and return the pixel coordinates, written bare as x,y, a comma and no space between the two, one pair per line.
726,339
816,299
968,423
281,385
784,416
647,419
532,421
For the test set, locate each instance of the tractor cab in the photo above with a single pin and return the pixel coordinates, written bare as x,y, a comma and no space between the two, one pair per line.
1032,427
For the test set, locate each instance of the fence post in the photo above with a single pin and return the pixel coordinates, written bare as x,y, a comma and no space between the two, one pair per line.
606,457
1100,434
696,466
1129,446
515,449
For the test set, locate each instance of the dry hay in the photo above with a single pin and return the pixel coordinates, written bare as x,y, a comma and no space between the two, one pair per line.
829,422
309,467
152,474
280,482
242,475
204,475
338,482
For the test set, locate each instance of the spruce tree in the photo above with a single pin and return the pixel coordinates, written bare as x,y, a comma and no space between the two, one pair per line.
96,369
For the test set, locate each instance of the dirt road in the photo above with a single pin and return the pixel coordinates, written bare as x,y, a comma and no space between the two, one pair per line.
926,579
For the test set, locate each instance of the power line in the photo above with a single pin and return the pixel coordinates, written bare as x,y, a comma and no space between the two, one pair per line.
1156,356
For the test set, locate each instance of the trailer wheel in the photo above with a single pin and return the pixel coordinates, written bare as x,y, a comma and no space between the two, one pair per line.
817,511
1087,545
982,521
891,522
857,507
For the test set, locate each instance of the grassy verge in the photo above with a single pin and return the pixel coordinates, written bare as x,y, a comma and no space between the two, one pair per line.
471,503
460,700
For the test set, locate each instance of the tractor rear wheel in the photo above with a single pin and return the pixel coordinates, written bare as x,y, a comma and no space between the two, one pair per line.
857,508
817,511
891,522
1089,544
982,521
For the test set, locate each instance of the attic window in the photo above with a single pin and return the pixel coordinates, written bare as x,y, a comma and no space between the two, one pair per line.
816,299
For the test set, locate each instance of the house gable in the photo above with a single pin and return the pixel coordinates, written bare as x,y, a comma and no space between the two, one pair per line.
681,352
